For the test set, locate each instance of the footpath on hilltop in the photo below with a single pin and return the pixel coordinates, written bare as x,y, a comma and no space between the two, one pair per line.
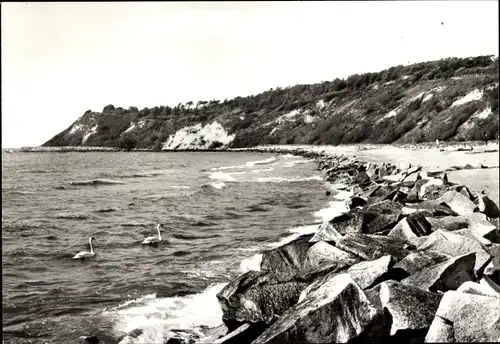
453,99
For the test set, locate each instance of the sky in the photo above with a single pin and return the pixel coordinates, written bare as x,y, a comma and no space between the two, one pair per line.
61,59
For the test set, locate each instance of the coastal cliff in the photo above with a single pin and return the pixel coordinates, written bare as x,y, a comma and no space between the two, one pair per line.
453,99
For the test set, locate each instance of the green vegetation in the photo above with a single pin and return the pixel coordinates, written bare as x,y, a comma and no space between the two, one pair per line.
354,110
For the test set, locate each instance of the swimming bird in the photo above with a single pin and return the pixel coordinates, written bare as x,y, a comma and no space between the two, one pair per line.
86,254
152,239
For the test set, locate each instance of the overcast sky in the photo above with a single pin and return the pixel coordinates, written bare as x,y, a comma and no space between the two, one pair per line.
61,59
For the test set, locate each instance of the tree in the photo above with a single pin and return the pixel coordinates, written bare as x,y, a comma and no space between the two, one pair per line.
127,142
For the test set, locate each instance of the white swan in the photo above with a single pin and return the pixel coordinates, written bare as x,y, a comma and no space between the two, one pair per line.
152,239
86,254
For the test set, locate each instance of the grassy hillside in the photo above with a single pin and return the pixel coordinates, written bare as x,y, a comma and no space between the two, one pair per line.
450,99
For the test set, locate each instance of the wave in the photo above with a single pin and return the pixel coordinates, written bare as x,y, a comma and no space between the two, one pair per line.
251,264
105,210
297,162
72,216
158,317
261,162
221,176
218,185
288,180
193,237
262,170
96,182
296,232
334,208
144,174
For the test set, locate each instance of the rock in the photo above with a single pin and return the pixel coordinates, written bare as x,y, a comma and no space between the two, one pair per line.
215,334
477,222
448,275
492,270
372,272
449,223
455,245
176,340
90,340
486,206
287,261
350,222
414,194
351,316
412,310
356,201
322,252
458,202
430,185
419,260
414,225
362,178
326,232
464,190
433,208
246,333
370,247
482,288
474,318
256,297
381,216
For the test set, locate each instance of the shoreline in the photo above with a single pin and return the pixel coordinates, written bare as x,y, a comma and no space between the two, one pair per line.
265,323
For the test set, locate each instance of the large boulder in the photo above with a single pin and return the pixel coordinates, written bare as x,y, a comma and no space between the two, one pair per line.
448,275
351,316
287,261
371,272
486,206
456,245
412,226
464,317
381,216
458,202
419,260
322,253
370,247
475,225
326,232
256,297
412,310
350,222
485,287
430,208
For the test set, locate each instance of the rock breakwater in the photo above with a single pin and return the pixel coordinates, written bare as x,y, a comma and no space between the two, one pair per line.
413,258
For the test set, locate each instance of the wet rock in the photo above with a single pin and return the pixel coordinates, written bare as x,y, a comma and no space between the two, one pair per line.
322,253
456,245
214,334
350,222
419,260
412,310
370,247
351,316
355,202
90,340
432,208
381,216
448,275
486,206
474,318
287,261
256,297
361,178
414,225
246,333
458,202
326,232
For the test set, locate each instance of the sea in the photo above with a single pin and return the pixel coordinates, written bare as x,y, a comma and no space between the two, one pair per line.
219,211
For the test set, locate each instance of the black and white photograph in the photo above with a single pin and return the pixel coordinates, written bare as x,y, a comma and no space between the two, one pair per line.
250,172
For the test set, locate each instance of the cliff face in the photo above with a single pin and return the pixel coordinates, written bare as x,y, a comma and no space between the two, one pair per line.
449,99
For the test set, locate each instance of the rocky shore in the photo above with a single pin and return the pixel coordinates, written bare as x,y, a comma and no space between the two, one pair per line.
414,258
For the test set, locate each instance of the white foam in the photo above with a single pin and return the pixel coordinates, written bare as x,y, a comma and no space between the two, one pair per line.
221,176
251,264
262,170
334,208
287,180
157,316
343,195
261,162
218,185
